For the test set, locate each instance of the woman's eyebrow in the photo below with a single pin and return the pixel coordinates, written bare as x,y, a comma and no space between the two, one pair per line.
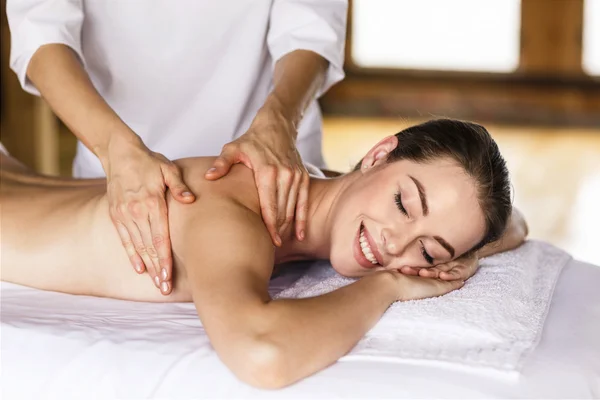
445,245
422,195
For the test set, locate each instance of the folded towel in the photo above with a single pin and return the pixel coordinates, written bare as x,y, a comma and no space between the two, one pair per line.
489,325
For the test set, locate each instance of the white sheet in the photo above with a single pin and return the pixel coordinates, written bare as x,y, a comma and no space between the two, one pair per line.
57,346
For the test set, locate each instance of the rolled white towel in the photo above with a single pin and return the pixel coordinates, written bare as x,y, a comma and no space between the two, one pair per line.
490,325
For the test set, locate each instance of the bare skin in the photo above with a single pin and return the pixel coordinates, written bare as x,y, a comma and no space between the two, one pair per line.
75,248
137,178
57,235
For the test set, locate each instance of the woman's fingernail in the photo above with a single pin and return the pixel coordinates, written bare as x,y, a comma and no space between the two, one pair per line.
138,268
186,194
164,287
302,234
157,281
163,274
213,169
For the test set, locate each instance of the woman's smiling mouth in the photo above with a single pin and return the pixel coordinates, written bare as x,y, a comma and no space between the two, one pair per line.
366,252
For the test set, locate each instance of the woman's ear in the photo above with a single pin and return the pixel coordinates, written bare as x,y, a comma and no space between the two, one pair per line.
378,154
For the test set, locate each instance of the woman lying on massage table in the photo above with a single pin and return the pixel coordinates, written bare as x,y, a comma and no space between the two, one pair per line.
432,195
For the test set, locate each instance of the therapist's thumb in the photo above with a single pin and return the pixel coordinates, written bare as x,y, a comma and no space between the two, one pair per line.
178,188
220,167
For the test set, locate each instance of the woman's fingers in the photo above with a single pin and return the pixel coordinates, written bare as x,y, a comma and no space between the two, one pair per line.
450,275
414,271
418,287
461,269
429,272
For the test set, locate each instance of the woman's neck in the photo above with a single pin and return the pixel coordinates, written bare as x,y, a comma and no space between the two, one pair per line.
324,195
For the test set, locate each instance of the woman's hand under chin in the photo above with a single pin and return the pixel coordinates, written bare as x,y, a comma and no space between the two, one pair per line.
417,287
460,269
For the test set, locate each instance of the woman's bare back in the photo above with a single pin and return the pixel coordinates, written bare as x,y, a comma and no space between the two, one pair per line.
57,234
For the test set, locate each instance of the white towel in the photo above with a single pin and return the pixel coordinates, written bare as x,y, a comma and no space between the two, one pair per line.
488,326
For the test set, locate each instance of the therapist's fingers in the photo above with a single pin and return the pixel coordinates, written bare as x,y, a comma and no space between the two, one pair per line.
146,249
140,248
302,206
174,181
134,257
285,181
161,242
290,209
223,163
267,193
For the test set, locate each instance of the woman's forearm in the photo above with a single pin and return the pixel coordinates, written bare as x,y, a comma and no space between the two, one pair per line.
307,335
513,237
62,81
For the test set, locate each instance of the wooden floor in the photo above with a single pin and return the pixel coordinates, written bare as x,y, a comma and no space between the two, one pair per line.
555,173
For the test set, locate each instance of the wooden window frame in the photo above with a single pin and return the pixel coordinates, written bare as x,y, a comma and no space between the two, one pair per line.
549,86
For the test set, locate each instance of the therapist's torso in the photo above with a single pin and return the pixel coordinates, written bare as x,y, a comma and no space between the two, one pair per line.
186,76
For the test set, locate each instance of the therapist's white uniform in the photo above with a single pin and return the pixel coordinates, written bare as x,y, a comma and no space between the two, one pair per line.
187,76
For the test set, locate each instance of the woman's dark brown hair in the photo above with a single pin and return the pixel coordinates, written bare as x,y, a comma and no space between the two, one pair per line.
472,147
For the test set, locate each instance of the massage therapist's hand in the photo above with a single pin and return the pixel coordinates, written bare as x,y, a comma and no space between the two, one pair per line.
137,179
460,269
269,149
417,287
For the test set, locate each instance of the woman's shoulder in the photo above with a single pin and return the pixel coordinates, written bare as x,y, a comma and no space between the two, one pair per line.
238,185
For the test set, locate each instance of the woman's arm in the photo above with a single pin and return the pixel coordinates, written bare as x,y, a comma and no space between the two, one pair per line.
514,235
228,256
465,267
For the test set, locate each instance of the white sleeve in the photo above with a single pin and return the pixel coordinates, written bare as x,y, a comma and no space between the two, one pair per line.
34,23
316,25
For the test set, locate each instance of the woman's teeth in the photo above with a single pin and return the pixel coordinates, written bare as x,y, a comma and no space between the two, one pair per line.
366,249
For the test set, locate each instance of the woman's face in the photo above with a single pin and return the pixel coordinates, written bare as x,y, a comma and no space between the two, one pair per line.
404,214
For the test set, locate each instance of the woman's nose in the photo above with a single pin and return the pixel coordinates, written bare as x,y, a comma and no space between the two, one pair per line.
392,243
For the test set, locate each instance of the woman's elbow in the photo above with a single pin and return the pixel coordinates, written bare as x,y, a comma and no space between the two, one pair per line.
261,364
519,227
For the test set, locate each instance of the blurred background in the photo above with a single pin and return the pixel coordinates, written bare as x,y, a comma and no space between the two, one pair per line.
528,70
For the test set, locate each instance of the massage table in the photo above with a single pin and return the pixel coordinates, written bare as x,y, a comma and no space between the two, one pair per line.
59,346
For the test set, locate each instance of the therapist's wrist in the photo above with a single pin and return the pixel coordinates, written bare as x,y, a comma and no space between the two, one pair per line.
275,114
277,104
117,145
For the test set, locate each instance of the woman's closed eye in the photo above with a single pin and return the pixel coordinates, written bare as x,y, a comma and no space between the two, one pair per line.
426,255
398,200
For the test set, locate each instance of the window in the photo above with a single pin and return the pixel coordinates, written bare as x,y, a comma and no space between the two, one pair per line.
591,37
459,35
